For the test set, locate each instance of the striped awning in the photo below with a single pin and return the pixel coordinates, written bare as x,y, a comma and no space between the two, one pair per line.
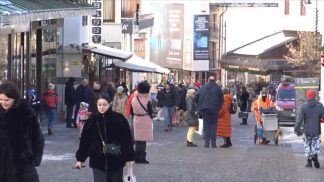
25,11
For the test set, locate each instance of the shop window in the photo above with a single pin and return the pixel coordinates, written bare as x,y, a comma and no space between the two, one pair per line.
3,57
302,8
108,10
287,7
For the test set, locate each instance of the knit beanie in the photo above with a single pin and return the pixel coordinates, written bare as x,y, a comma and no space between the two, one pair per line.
311,94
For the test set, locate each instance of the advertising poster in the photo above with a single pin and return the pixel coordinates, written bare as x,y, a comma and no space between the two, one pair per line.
201,34
167,35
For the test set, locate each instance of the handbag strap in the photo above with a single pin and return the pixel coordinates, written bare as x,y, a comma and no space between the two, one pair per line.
142,105
102,140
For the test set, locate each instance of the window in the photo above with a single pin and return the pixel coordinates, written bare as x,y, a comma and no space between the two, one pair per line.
286,95
287,7
302,8
108,10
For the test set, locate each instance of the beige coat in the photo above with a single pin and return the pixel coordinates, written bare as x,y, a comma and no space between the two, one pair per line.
143,125
119,103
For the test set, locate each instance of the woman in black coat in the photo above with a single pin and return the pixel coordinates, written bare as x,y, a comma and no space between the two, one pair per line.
25,142
111,128
244,103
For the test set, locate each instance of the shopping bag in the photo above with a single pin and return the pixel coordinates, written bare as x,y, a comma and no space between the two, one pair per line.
129,177
200,127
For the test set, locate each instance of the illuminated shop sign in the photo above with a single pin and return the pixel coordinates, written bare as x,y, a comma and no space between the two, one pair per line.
201,35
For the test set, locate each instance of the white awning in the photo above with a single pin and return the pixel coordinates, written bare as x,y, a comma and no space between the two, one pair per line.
139,64
110,52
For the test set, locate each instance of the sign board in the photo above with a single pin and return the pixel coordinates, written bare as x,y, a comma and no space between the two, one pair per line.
127,25
96,22
301,86
201,36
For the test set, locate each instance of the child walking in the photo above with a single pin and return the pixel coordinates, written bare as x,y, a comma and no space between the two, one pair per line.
83,115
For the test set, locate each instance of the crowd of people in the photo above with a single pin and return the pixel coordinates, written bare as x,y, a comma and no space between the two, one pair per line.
116,125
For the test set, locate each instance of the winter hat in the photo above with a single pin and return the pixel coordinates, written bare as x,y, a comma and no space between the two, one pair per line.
51,86
143,87
83,104
191,92
311,94
226,90
120,89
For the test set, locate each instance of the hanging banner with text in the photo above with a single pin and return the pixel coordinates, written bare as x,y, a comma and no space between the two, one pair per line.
201,34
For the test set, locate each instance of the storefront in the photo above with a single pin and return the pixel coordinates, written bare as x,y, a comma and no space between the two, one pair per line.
31,51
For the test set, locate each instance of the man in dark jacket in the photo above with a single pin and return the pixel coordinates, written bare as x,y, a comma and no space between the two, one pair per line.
170,100
69,101
210,100
310,115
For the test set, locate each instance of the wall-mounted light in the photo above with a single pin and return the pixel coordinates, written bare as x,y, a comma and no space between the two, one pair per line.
309,2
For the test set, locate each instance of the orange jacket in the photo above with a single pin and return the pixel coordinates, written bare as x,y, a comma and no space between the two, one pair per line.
224,119
257,104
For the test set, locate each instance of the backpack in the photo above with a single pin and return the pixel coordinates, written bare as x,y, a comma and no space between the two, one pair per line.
232,108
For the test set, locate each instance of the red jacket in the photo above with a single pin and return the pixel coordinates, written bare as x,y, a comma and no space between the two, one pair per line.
128,105
51,99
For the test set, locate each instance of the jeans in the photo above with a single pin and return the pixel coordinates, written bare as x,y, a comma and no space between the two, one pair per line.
210,119
168,115
69,113
51,116
111,176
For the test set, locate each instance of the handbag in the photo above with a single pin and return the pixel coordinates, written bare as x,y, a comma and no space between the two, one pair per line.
111,149
232,108
129,177
243,115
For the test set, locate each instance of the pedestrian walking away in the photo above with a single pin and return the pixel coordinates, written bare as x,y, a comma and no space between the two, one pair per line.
106,139
51,100
142,111
22,142
310,116
170,100
244,103
69,101
191,117
225,120
210,100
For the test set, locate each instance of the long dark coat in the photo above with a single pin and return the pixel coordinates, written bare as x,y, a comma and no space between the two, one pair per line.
25,139
117,131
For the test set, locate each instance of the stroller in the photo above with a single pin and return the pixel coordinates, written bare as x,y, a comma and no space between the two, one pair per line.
270,128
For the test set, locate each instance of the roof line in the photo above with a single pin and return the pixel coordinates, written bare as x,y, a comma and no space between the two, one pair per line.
231,52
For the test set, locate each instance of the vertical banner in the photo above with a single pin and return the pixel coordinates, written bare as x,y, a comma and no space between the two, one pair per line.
201,34
167,35
96,22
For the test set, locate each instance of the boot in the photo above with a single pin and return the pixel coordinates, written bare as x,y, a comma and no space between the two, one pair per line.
137,157
50,132
316,163
229,142
309,163
190,144
225,145
143,159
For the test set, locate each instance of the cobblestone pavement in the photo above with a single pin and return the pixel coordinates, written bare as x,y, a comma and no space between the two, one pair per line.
171,161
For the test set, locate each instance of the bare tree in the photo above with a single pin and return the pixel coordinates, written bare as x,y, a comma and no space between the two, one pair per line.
304,54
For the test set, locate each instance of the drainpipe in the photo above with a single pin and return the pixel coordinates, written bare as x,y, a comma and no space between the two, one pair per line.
220,36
